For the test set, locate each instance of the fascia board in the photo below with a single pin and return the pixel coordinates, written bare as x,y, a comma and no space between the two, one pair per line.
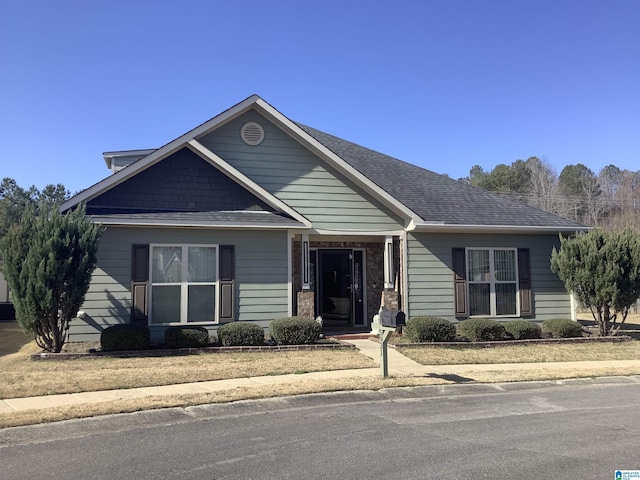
109,156
154,157
442,228
356,233
131,222
334,160
237,176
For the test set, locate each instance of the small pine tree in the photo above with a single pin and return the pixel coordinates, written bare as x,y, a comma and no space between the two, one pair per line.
48,262
602,269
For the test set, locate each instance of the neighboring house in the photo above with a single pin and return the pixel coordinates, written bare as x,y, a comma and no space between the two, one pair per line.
7,311
251,217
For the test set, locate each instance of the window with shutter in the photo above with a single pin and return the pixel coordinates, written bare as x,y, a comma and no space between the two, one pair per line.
492,282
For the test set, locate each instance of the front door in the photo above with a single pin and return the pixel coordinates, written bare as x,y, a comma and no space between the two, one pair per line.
340,287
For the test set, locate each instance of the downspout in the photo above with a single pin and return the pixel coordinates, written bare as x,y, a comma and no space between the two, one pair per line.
404,260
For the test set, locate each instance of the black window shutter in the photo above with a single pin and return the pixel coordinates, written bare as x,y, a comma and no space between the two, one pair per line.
227,283
139,283
460,283
524,287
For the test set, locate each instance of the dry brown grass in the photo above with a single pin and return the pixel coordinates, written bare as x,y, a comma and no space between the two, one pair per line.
630,327
524,353
17,371
30,417
22,377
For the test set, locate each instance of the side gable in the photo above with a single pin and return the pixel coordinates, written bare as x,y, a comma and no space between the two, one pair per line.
182,182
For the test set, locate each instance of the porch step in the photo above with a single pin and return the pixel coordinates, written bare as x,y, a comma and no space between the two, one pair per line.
350,336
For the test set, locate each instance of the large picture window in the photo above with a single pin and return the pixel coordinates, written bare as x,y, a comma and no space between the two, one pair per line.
492,282
184,282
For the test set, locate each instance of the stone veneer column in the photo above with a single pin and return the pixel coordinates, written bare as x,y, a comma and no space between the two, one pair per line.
306,304
390,300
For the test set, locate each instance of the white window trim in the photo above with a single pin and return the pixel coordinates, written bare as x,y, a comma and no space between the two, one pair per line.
184,284
492,282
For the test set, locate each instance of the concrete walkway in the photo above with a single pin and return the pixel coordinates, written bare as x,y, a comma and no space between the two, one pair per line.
399,365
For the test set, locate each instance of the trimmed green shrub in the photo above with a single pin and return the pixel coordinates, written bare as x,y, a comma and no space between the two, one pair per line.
522,329
186,337
561,328
295,331
482,330
241,334
430,329
125,337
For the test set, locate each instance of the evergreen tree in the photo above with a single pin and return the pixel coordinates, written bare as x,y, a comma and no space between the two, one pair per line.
48,262
602,269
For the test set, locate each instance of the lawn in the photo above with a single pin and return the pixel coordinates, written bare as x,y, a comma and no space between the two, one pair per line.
523,353
22,377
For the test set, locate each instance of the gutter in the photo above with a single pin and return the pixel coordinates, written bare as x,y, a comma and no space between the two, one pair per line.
454,228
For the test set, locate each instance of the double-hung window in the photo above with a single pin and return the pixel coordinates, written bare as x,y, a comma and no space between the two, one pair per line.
492,281
184,282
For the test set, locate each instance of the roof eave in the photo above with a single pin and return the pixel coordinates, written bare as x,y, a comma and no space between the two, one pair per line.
109,156
136,222
530,229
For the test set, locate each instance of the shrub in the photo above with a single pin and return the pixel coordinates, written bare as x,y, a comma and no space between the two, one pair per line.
522,329
125,337
295,331
186,337
561,328
430,329
482,330
241,334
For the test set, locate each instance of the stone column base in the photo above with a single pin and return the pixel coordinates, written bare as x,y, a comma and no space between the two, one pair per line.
390,300
306,304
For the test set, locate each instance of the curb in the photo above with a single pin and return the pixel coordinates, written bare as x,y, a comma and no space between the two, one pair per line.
83,427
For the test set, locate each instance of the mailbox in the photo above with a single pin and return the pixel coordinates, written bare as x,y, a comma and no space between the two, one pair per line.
392,318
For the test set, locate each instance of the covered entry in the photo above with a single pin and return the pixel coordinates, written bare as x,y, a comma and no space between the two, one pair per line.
344,280
339,277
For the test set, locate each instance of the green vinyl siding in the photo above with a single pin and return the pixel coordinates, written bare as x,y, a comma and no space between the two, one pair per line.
289,171
431,279
261,275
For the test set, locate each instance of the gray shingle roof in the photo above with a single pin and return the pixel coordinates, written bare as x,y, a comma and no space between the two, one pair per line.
437,198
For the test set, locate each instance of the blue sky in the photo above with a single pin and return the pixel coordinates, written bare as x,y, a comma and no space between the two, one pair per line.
445,84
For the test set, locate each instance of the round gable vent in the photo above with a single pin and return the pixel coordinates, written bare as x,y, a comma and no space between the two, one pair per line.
252,133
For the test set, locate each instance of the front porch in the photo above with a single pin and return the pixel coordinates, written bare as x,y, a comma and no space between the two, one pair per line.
345,280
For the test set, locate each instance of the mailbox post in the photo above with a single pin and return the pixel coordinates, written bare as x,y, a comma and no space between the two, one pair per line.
387,321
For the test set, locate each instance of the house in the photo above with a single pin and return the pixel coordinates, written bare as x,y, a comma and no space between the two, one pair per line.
7,312
252,216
